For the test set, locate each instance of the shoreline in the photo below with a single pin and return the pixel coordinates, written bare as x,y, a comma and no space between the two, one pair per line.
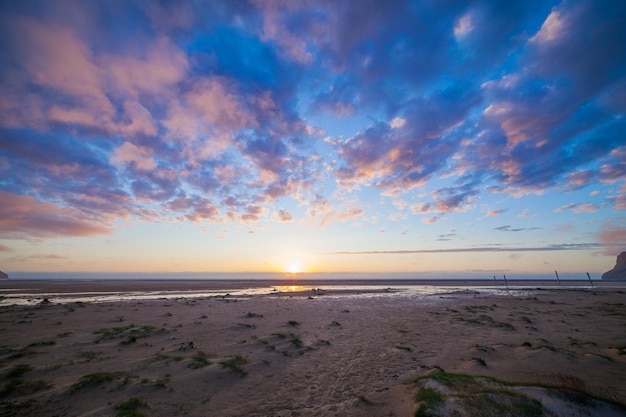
75,285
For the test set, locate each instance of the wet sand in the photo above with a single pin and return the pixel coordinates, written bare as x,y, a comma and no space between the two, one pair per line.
311,354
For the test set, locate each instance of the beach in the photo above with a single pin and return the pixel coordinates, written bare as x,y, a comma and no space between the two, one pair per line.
316,352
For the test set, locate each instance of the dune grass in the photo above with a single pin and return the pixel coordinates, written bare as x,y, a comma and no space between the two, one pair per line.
98,378
233,362
130,407
199,360
480,395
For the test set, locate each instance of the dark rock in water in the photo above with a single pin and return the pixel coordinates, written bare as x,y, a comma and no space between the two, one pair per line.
3,275
45,301
619,270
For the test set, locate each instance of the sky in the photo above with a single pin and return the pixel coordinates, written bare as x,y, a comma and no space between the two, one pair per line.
312,136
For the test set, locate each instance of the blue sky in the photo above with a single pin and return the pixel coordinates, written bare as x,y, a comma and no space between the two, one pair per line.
312,135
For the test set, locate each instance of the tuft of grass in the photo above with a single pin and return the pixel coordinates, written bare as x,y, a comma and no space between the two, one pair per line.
199,360
159,357
121,331
479,361
293,323
483,348
483,395
19,370
20,387
233,362
507,326
428,398
253,315
130,407
95,379
42,343
364,400
296,341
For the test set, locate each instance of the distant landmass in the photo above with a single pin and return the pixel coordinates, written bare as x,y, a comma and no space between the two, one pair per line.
3,275
619,270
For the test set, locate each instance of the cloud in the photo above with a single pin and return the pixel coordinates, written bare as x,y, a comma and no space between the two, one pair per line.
201,111
613,237
4,248
497,212
283,216
394,157
25,217
553,28
351,213
252,214
39,257
578,208
431,220
550,248
132,154
508,228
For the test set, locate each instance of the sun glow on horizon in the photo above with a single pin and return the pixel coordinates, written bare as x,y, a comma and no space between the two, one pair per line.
294,268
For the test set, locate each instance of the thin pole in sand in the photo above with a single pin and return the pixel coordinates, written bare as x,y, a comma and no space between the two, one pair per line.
590,281
557,278
506,283
494,281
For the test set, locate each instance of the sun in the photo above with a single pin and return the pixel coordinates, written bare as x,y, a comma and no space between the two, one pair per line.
294,268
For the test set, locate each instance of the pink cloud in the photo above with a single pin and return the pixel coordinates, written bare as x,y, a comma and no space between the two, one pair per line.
578,208
4,248
253,213
164,66
274,29
139,157
54,57
614,237
214,100
431,220
493,213
26,217
350,213
283,216
39,257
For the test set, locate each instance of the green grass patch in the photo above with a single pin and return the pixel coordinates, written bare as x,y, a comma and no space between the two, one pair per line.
479,361
125,331
363,399
159,357
428,399
42,343
96,379
480,395
18,370
233,362
17,386
130,407
199,360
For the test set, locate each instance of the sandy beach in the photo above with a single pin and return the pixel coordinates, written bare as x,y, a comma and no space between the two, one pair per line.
553,352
